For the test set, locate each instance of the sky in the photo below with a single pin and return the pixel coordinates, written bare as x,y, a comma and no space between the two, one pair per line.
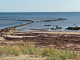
39,5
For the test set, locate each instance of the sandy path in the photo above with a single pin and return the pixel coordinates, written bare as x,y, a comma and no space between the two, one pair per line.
23,57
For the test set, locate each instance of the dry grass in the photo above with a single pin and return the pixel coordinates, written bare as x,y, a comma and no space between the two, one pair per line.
30,49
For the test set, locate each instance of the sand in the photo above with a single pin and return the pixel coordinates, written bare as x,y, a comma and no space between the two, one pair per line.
28,57
51,32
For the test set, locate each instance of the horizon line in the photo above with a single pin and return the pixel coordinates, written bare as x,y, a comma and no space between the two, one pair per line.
6,12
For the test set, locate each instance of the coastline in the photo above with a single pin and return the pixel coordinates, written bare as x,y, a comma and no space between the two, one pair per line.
12,28
52,32
56,39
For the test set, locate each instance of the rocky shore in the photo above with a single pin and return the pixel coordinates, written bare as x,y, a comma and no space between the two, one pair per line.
12,29
8,30
59,40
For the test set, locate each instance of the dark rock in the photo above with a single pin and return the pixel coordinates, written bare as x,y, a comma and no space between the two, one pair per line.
60,19
73,28
73,24
56,26
52,28
47,25
48,20
59,28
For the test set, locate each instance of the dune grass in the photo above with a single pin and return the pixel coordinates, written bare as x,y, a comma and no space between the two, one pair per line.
28,49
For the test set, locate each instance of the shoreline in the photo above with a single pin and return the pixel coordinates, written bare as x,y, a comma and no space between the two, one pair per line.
56,40
52,32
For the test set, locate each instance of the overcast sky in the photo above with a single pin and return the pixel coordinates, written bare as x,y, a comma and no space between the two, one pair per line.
39,5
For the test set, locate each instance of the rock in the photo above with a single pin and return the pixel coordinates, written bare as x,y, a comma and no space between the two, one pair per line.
3,34
2,39
73,28
57,27
52,28
73,24
47,25
48,20
60,19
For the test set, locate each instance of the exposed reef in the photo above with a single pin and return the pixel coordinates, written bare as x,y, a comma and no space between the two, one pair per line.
58,19
12,29
26,20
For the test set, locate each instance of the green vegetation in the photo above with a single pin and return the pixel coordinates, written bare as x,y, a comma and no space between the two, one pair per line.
50,52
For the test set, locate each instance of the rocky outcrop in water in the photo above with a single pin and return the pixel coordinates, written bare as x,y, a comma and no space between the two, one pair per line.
52,28
47,25
58,19
26,20
57,27
73,28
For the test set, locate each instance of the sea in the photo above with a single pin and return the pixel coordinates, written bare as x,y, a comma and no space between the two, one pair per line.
8,19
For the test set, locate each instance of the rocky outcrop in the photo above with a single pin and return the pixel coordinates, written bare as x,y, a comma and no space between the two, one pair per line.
73,28
26,20
52,28
58,19
9,30
57,27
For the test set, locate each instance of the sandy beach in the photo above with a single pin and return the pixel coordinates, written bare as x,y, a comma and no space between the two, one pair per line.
58,39
44,38
53,32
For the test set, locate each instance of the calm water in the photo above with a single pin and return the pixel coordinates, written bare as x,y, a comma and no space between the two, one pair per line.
11,19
